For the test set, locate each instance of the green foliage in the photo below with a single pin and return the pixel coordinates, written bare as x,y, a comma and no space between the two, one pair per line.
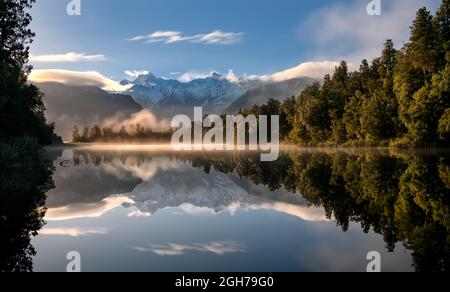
401,96
444,126
403,197
21,107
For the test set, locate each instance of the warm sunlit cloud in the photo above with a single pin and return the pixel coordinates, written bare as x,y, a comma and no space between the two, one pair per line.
217,37
88,210
309,69
71,57
77,78
72,232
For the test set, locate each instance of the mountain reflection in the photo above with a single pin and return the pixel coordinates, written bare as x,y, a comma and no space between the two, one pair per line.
25,177
402,196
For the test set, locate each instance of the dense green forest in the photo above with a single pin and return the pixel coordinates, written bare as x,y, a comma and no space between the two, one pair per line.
399,99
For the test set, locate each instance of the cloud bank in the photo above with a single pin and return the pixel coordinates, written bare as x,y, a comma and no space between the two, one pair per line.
217,37
315,70
77,78
92,78
71,57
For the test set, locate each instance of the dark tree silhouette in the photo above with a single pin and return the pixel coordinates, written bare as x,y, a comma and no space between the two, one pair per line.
25,177
21,106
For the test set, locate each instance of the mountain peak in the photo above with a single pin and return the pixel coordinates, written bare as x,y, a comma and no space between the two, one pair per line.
216,75
147,80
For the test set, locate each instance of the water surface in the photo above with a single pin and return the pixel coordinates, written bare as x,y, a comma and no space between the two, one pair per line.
153,210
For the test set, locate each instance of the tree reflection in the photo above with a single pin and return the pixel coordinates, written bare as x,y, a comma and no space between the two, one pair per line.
25,177
404,197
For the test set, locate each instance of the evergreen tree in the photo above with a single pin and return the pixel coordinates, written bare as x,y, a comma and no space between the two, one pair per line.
421,90
21,106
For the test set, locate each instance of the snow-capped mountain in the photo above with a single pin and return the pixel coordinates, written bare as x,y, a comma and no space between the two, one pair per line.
167,97
216,93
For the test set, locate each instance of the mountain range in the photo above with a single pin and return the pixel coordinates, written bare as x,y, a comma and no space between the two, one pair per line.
69,105
215,93
277,90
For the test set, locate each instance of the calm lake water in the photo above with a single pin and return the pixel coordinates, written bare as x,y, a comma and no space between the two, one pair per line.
152,210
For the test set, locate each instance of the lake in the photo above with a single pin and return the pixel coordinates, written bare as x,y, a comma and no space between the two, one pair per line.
142,208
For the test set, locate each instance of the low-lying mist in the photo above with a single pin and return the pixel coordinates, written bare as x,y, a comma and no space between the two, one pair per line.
144,118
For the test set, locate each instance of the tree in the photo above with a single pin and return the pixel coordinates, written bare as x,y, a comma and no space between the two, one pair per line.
287,117
352,116
85,136
123,133
421,89
442,26
76,137
21,106
96,133
444,127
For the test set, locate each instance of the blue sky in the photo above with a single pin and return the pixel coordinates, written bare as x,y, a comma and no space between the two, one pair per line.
265,36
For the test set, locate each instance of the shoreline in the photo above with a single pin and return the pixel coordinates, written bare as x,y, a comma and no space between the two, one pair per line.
283,147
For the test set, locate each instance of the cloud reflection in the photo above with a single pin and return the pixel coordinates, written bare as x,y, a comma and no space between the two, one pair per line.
72,232
171,249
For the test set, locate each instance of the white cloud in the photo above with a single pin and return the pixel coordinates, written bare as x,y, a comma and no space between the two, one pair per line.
232,77
87,210
77,78
316,70
346,31
139,214
136,73
217,37
192,75
71,232
218,248
71,57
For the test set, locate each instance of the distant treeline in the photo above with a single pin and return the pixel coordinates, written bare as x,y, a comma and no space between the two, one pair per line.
135,133
399,99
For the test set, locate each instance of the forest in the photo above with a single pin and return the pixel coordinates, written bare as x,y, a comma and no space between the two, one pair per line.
133,133
400,99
